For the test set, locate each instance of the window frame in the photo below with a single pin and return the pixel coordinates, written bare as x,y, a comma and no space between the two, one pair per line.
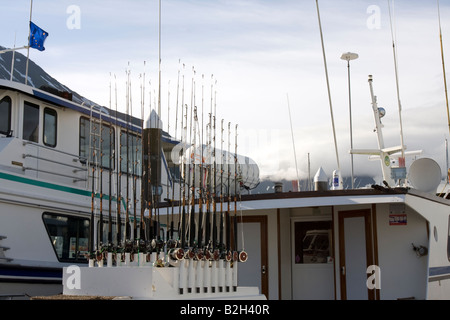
8,130
37,128
50,111
106,161
80,255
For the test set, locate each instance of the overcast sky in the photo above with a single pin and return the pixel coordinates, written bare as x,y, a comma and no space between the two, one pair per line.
260,55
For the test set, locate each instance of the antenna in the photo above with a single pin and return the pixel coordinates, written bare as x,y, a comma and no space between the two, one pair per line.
293,144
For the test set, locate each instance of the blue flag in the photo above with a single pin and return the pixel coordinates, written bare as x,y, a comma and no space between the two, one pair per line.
37,37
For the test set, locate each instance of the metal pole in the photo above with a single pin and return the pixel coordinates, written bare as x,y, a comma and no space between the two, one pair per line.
28,46
350,56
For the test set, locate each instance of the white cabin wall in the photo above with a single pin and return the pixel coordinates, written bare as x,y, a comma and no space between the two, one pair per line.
403,273
285,254
438,216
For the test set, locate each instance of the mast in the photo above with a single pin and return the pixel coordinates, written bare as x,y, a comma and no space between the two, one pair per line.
443,68
328,87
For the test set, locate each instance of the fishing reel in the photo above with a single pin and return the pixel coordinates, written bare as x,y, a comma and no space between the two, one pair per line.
207,255
243,256
228,256
199,254
176,254
216,255
190,254
128,246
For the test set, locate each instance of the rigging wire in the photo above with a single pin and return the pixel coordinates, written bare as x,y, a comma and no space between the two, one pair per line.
394,48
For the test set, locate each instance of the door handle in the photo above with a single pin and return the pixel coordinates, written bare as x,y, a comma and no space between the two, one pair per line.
263,269
343,270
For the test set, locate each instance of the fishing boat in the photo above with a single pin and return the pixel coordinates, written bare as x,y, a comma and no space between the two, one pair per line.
97,202
76,189
383,242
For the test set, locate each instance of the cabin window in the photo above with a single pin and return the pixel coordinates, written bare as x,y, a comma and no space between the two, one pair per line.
5,119
130,151
93,148
30,122
50,123
69,236
312,241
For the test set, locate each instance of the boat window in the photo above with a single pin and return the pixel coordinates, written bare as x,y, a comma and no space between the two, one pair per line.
69,236
130,151
312,242
30,122
93,148
5,119
50,127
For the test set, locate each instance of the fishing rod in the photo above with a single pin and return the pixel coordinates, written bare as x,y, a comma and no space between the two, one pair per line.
181,209
200,197
142,237
111,148
227,213
134,141
92,145
183,166
100,229
169,180
119,178
214,188
192,212
208,191
173,164
209,179
235,196
221,194
127,163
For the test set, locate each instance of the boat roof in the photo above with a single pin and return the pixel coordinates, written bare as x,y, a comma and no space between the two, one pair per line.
303,199
63,100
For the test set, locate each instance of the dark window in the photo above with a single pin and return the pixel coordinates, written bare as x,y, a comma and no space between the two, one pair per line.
97,142
69,236
5,119
30,122
130,152
312,241
50,125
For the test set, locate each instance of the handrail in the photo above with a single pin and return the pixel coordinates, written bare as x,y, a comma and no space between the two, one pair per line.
55,173
53,161
80,158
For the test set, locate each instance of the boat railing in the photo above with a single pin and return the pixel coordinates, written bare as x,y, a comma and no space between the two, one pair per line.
70,165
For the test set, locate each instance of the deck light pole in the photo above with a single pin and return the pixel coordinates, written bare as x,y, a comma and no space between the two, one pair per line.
350,56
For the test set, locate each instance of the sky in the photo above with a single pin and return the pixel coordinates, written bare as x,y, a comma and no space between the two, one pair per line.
261,64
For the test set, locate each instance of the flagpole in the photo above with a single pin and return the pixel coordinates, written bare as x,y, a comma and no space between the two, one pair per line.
28,48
